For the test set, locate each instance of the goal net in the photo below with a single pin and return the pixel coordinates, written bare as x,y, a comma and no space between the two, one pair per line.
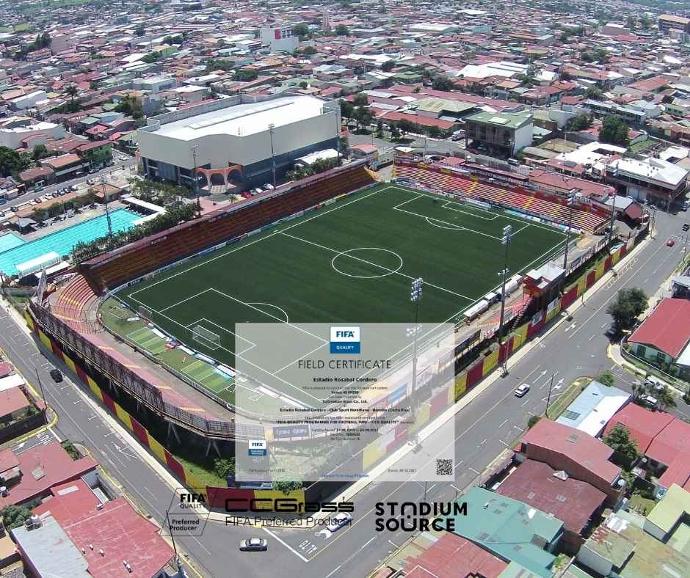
206,337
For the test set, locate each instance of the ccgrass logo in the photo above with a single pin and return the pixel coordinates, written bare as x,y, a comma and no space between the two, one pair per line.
345,340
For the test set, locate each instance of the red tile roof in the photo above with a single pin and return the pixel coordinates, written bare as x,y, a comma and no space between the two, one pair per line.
5,369
116,529
667,328
570,500
454,557
43,467
642,424
577,446
11,400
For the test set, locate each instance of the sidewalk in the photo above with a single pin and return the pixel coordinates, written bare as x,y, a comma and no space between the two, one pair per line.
614,354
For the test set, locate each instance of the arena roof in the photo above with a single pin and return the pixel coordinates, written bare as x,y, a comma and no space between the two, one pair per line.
244,119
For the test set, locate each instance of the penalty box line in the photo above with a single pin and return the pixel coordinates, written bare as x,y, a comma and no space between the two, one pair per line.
252,345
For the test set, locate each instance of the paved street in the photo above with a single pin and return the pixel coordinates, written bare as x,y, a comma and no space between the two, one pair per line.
491,422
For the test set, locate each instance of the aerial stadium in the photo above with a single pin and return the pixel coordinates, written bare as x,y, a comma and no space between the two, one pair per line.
154,324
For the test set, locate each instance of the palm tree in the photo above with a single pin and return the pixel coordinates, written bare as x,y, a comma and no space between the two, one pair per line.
72,92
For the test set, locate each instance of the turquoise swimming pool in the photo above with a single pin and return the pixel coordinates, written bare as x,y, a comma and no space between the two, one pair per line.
62,241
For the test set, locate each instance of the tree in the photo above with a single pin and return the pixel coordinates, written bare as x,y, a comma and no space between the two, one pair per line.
360,99
625,449
15,516
631,22
347,109
442,82
363,117
286,487
606,378
579,122
246,75
71,90
614,131
342,30
594,92
308,51
12,162
140,30
131,106
40,152
532,421
388,66
301,30
224,467
628,306
664,397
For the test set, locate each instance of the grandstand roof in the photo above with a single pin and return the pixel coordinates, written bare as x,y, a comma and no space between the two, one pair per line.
244,119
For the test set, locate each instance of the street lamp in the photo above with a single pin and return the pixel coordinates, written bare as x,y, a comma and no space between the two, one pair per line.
273,158
416,297
195,178
505,241
572,197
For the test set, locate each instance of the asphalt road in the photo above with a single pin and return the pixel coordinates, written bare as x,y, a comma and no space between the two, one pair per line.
492,422
120,159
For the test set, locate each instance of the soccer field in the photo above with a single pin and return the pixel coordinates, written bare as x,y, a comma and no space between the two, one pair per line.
351,261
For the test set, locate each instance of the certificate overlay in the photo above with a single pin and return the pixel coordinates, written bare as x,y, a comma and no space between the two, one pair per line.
342,402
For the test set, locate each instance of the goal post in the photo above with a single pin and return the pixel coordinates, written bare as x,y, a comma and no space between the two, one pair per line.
206,337
145,312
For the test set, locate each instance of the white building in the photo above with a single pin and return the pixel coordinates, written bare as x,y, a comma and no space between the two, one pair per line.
279,38
15,130
231,140
654,180
28,100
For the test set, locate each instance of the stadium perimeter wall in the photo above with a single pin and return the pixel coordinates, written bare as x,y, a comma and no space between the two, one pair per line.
465,381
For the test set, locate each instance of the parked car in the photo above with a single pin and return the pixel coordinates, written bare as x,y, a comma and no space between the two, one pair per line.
254,545
522,390
648,401
340,520
56,374
670,243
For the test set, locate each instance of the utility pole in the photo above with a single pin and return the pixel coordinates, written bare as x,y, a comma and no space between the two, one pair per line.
107,211
40,386
195,178
273,157
505,241
548,398
572,196
337,132
652,224
180,570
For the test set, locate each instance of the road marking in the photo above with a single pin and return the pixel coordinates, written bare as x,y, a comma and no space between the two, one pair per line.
333,571
284,543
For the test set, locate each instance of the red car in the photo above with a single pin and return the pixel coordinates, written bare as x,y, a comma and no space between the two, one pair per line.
670,243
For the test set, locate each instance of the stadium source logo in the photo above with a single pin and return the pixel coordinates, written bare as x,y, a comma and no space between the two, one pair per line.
345,340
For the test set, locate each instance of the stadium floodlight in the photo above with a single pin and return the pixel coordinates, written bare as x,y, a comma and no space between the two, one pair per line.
416,290
505,241
573,195
273,156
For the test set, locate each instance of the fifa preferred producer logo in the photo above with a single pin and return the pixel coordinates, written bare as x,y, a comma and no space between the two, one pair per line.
345,340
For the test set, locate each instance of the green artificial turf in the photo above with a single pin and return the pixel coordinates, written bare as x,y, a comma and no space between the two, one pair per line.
351,261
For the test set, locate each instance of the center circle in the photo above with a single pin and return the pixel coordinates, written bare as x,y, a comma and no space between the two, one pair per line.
384,261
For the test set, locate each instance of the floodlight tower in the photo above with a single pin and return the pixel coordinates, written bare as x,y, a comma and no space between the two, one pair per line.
416,298
505,241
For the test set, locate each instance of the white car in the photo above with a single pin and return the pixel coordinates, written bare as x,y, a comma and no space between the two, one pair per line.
254,545
522,390
340,520
649,401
